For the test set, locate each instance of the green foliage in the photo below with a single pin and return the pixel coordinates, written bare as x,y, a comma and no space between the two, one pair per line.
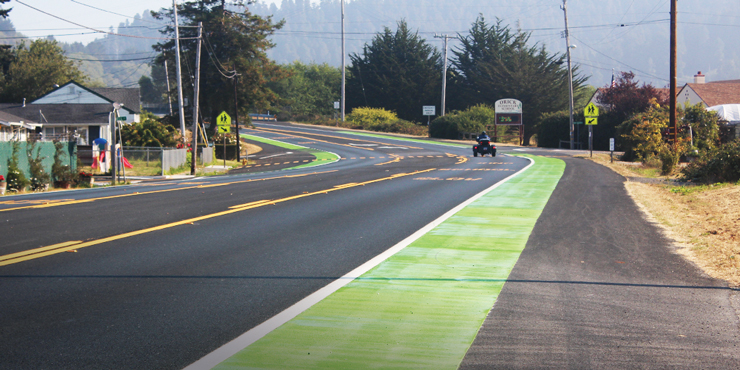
61,172
495,63
475,119
39,178
704,125
368,117
397,71
642,136
307,89
669,159
16,179
149,132
720,164
553,127
238,41
627,98
34,70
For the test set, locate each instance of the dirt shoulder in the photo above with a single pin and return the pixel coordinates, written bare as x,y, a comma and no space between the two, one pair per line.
703,220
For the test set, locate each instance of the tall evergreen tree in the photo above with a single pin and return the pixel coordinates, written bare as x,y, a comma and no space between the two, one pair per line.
397,71
232,42
495,63
4,12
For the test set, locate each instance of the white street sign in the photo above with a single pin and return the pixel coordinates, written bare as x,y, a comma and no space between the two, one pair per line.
430,110
508,106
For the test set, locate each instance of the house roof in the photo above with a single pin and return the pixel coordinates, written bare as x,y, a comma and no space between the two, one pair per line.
129,97
60,113
7,118
717,93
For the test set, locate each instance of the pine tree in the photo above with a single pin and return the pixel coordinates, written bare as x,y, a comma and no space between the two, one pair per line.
397,71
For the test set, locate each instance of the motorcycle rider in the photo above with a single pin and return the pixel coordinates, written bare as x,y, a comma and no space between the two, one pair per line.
483,136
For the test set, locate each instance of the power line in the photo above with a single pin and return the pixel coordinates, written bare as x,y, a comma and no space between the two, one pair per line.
96,30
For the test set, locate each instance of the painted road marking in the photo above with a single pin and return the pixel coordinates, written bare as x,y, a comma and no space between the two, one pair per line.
421,302
64,202
54,249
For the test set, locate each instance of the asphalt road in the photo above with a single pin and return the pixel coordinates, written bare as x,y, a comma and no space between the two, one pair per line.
156,275
598,287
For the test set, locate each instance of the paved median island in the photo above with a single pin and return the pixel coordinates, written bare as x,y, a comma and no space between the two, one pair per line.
423,306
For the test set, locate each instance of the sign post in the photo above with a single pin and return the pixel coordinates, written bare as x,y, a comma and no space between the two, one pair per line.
429,111
508,112
223,122
591,113
611,148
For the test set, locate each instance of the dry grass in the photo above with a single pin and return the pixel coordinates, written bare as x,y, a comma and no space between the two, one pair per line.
703,220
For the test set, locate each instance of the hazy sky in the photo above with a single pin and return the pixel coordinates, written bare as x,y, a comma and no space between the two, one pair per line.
34,23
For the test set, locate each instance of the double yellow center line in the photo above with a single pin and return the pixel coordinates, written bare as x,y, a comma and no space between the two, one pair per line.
75,245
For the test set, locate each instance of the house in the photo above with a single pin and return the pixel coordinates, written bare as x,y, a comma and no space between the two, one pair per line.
73,109
709,94
14,128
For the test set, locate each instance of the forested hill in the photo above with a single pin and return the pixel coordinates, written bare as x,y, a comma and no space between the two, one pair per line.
626,35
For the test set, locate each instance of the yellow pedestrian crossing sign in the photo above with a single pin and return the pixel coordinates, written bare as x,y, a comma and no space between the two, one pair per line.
591,111
591,121
224,123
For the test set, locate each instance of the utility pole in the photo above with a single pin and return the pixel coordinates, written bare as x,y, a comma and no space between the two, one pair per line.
674,64
444,71
181,110
570,70
236,118
196,102
344,67
167,76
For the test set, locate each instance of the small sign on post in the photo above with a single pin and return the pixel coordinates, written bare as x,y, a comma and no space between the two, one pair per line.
429,110
336,105
611,148
591,113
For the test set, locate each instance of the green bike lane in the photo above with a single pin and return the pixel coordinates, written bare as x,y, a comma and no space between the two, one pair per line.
422,306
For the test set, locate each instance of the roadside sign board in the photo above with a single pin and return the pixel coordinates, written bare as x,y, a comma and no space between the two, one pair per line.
508,112
591,110
223,121
508,106
429,110
592,121
611,144
336,105
578,123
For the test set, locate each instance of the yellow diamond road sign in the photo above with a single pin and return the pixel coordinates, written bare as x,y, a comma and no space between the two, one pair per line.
223,119
591,121
591,111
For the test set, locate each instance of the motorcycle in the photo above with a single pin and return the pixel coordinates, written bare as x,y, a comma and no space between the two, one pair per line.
484,147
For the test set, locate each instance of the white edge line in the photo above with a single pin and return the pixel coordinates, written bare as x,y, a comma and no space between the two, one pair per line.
243,341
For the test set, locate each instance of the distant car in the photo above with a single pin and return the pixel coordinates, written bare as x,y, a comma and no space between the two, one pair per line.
484,147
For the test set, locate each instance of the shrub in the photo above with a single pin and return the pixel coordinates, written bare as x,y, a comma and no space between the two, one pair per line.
17,180
721,164
39,178
369,117
642,136
472,120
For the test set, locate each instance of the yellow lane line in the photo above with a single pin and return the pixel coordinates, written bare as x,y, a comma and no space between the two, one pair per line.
63,247
70,201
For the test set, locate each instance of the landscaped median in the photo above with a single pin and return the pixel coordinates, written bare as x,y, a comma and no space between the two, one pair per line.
322,157
422,306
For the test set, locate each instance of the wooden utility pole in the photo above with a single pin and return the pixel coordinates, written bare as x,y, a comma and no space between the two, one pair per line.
236,118
196,102
570,71
673,124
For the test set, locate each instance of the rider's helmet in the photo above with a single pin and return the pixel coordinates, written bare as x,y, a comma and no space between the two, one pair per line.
483,133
